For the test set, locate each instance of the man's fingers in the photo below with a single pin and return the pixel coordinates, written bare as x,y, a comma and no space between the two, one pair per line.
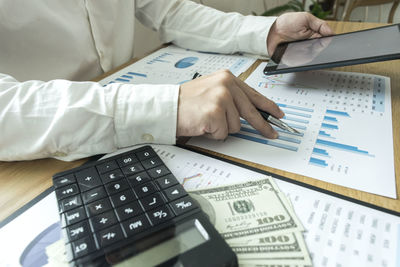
233,118
325,30
259,100
217,127
320,26
252,116
249,112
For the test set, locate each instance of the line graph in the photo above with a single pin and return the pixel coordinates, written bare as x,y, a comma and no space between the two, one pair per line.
186,179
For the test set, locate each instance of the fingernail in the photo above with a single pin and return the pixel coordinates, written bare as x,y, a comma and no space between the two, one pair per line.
281,114
275,135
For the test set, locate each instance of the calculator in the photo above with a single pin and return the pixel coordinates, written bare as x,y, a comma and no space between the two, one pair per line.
130,210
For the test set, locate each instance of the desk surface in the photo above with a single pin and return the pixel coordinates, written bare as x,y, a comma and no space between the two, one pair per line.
22,181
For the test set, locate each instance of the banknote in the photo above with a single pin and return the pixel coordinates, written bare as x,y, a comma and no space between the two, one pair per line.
251,208
272,248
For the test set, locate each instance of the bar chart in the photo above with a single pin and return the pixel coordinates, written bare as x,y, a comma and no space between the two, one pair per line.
345,124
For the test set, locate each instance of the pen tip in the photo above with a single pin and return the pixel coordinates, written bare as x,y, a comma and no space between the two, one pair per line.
294,131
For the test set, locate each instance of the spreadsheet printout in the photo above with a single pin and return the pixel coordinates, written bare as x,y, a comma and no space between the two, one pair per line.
345,125
175,65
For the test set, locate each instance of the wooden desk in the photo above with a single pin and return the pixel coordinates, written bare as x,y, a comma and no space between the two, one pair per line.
21,181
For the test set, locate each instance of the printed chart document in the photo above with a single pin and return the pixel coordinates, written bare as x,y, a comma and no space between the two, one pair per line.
338,232
175,65
345,125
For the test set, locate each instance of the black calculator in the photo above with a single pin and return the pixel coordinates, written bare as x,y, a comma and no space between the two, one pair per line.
130,210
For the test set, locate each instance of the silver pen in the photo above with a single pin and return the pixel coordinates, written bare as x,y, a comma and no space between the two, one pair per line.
268,117
277,122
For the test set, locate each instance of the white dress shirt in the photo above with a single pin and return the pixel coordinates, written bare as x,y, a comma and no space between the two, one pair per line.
49,50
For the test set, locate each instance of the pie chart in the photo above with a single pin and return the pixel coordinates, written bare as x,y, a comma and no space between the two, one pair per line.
186,62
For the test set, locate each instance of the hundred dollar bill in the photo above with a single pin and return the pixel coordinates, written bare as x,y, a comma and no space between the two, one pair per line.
288,248
251,208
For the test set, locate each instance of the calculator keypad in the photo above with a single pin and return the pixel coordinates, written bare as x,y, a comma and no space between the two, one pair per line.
117,198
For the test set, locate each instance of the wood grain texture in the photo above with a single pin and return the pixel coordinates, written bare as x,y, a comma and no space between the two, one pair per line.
21,181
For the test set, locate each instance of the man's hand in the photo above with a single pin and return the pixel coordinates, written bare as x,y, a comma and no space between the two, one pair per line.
296,26
211,106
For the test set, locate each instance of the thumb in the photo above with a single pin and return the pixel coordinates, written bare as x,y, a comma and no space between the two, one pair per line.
320,26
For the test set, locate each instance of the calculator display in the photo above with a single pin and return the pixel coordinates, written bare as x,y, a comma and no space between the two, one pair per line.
179,244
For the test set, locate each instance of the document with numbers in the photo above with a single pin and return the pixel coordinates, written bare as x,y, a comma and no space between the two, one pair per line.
345,125
175,65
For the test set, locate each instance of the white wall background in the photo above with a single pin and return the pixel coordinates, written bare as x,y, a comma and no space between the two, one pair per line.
147,40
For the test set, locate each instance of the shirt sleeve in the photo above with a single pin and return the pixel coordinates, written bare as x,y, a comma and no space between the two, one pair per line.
71,120
194,26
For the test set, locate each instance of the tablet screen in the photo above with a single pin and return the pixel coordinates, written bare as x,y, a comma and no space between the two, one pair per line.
368,44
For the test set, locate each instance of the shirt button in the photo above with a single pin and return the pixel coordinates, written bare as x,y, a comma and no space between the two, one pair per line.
59,154
147,137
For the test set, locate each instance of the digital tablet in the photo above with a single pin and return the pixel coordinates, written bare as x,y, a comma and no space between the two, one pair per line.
377,44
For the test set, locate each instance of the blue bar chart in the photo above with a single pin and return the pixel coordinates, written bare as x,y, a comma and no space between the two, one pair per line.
345,126
286,140
328,131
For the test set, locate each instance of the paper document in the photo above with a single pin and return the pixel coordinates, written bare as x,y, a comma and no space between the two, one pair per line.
175,65
345,120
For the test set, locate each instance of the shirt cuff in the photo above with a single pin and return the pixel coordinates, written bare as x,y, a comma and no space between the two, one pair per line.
252,35
146,114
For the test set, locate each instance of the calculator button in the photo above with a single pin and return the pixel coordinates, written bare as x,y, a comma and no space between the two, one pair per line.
107,166
111,176
145,189
158,171
127,160
83,247
167,181
122,198
152,201
146,154
175,192
160,215
70,203
136,225
94,194
132,169
117,187
110,235
129,210
78,230
103,220
67,191
151,163
64,180
182,205
73,216
88,179
98,207
138,178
